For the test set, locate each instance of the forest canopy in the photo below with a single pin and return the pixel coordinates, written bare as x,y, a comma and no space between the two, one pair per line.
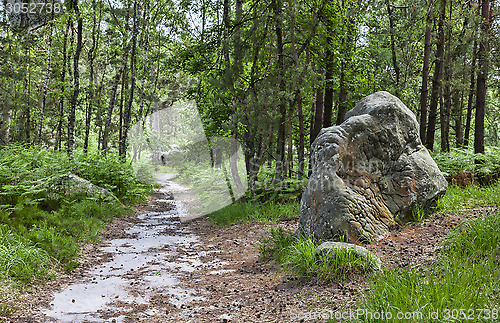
271,74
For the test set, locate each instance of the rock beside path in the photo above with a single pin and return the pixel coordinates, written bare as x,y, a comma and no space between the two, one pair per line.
369,173
331,247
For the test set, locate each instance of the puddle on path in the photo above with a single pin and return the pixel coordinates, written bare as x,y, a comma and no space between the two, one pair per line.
139,267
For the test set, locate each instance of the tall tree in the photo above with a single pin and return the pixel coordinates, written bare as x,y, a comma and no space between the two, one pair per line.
45,88
57,144
445,109
425,74
128,110
76,80
436,80
91,58
483,53
280,149
393,45
472,90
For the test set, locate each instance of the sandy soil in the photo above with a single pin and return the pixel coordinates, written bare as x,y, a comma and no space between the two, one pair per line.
232,283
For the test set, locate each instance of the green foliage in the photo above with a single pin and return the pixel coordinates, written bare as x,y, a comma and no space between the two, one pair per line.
474,239
111,173
6,310
144,171
485,167
465,276
286,191
275,246
49,218
417,215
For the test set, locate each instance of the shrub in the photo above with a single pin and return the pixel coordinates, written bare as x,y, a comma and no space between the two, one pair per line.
47,221
485,167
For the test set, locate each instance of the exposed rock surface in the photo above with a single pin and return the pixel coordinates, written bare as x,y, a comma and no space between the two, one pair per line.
368,173
71,185
330,247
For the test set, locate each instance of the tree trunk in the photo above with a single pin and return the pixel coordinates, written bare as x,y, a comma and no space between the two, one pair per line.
44,91
342,108
446,109
317,119
5,124
123,90
328,96
393,46
298,95
425,76
280,149
91,57
482,76
57,144
459,129
472,90
76,83
128,110
111,105
436,80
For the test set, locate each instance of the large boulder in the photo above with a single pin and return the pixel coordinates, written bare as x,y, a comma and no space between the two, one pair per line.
369,173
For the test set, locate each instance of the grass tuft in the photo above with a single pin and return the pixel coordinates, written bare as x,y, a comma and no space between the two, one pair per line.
20,258
457,198
298,256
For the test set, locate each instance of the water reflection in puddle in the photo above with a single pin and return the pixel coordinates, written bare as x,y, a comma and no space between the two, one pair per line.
138,269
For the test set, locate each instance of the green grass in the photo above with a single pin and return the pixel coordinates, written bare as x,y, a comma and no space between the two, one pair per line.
20,258
465,276
457,198
298,256
6,310
258,212
474,239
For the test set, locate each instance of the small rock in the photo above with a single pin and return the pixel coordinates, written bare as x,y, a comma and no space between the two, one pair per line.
330,246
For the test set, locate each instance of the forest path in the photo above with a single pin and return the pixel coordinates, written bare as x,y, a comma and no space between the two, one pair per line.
134,270
156,268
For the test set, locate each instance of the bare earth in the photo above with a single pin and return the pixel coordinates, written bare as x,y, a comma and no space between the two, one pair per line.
227,282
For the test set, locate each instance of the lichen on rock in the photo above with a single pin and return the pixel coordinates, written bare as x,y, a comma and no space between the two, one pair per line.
368,173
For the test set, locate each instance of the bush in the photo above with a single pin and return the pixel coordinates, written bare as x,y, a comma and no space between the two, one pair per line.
485,167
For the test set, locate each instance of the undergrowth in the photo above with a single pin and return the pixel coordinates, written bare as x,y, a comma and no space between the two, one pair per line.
485,167
49,206
457,198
